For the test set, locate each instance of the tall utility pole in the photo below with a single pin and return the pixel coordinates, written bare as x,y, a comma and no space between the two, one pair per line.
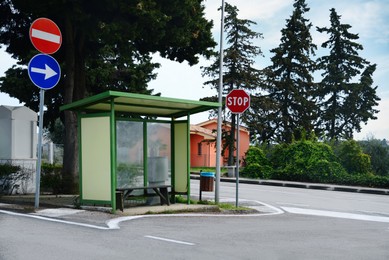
219,117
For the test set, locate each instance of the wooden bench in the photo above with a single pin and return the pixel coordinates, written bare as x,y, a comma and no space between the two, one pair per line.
160,190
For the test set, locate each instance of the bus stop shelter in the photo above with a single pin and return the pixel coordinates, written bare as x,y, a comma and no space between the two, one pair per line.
133,140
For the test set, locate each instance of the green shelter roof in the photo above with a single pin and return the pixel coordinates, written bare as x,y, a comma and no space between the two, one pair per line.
140,105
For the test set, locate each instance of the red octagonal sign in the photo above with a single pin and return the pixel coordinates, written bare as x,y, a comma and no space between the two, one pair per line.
237,101
45,35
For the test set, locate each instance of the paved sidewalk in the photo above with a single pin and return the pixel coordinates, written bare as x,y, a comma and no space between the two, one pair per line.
61,208
25,203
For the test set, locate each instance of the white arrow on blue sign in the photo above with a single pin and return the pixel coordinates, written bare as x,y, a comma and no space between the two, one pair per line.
44,71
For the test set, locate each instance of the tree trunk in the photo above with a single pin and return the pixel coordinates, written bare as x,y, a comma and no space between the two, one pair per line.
231,145
70,158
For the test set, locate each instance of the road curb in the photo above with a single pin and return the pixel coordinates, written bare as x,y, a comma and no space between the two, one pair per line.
302,185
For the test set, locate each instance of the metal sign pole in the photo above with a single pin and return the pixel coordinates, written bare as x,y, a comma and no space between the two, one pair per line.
45,72
38,165
237,160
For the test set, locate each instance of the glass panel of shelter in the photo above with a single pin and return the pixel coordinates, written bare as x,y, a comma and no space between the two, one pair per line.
130,153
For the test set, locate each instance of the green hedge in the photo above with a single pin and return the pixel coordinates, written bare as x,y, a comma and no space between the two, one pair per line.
51,178
10,178
312,161
7,169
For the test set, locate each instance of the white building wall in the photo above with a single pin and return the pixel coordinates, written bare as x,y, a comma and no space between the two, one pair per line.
18,142
5,139
24,146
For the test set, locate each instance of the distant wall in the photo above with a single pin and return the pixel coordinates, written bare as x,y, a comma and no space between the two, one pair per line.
18,133
18,144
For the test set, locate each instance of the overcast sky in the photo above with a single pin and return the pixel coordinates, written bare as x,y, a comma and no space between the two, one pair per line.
368,18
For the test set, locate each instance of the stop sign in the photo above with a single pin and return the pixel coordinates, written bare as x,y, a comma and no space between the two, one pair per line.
237,101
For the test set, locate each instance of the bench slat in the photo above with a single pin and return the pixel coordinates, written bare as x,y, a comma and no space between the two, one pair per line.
160,190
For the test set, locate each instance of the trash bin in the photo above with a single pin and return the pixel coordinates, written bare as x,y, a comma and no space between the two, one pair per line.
206,181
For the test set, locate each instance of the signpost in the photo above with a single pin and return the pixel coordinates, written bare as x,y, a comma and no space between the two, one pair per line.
237,101
45,72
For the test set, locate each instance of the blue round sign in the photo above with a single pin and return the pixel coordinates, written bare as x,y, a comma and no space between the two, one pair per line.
44,71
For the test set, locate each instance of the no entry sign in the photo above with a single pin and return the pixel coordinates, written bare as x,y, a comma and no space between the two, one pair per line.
45,35
237,101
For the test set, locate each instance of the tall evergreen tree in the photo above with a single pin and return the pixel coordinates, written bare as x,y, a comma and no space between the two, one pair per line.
289,80
346,101
238,72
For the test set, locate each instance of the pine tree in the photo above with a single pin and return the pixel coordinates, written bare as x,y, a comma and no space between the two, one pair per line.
345,101
239,72
289,80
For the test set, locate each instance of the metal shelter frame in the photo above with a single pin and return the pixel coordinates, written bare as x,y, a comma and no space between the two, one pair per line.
97,117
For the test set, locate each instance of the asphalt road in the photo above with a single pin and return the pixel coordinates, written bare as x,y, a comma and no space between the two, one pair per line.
332,232
337,201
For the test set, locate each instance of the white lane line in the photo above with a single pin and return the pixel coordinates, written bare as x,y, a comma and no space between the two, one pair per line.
52,220
375,212
293,204
334,214
171,240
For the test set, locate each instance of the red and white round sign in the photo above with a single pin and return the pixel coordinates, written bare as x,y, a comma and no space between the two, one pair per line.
45,35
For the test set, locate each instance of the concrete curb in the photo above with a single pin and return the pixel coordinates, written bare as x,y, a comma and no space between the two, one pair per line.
303,185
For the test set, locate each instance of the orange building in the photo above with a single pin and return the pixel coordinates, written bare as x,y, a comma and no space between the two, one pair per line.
203,144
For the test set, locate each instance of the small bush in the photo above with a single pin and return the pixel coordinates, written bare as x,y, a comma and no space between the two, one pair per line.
304,160
364,180
378,150
7,169
256,164
13,179
256,171
352,157
51,178
323,171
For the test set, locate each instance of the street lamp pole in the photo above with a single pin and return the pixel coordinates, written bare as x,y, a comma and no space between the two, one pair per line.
219,117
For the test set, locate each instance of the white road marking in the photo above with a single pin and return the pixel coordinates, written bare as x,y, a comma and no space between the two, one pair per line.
334,214
374,212
171,240
52,220
293,204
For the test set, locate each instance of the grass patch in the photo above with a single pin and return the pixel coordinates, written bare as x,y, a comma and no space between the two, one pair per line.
184,200
226,208
229,206
183,211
